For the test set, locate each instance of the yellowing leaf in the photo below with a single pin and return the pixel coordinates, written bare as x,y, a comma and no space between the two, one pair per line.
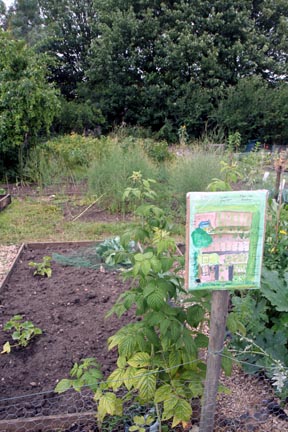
140,359
6,348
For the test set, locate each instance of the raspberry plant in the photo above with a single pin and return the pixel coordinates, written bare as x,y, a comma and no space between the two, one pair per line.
158,362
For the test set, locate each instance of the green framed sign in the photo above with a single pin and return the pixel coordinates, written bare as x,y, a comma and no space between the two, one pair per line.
224,239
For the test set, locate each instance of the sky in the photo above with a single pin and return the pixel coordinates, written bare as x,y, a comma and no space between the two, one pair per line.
8,2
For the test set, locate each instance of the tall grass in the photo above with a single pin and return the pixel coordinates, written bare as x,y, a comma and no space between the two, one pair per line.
109,175
63,159
193,172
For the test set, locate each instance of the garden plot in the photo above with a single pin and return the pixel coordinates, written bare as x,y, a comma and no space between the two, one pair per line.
70,308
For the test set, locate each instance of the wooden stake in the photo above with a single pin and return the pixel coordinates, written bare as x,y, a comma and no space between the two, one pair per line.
219,311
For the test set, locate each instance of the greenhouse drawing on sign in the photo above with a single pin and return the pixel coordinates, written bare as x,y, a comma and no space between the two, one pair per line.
224,239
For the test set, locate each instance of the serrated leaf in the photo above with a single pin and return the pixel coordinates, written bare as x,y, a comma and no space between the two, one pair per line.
140,359
195,314
147,386
116,379
156,299
201,341
121,362
129,378
63,385
162,393
174,361
107,405
183,412
127,346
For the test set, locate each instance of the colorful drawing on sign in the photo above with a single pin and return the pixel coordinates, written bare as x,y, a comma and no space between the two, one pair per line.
224,239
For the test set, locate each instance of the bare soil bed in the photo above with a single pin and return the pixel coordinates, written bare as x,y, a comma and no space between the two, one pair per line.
70,308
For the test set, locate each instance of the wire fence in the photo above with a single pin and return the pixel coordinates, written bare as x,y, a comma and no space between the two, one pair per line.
245,403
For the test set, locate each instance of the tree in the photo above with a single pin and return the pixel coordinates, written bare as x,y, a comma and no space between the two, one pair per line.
68,35
25,22
255,109
164,64
27,102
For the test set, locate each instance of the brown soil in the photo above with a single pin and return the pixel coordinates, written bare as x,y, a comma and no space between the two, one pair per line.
70,308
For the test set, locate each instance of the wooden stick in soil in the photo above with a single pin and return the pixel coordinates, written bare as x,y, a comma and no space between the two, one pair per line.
219,311
87,208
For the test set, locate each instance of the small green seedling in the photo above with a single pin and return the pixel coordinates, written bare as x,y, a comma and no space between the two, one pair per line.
2,191
43,268
23,333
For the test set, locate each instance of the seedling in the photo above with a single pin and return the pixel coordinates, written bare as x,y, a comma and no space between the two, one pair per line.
43,268
23,333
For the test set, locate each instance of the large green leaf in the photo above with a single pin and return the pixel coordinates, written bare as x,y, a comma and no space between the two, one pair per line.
195,314
275,289
156,299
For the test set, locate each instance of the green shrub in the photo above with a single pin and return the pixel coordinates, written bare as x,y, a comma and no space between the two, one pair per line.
109,174
157,150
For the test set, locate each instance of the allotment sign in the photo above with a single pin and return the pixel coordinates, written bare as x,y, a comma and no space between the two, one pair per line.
224,239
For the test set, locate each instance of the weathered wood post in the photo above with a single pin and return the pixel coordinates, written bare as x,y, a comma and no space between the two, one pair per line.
219,311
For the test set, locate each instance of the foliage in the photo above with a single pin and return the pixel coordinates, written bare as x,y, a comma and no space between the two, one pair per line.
245,109
42,268
157,150
62,159
24,332
276,243
109,174
85,374
27,102
158,361
231,175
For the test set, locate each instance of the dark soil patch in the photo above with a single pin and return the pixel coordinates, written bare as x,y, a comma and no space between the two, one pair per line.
70,308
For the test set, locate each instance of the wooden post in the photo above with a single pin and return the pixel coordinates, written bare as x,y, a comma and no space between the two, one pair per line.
219,311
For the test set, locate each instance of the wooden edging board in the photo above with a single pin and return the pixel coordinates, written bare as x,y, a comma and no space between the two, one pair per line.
41,245
5,200
32,424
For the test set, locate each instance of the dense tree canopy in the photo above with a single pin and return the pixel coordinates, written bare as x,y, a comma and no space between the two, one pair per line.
162,64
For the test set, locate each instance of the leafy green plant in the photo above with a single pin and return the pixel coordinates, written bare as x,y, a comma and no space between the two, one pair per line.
157,150
234,142
231,175
2,191
158,355
276,244
140,423
24,332
42,268
85,374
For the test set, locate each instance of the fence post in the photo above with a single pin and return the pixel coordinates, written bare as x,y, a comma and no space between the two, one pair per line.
219,311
